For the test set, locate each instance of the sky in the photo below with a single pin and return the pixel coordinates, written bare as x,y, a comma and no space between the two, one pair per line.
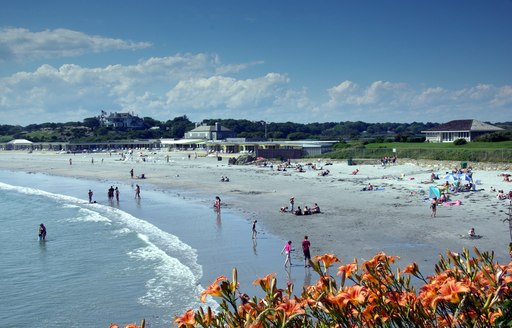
278,61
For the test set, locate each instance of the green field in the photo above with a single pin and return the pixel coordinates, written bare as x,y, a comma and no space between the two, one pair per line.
443,145
472,151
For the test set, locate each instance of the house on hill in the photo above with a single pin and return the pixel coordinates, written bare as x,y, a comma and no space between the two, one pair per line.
121,120
459,129
210,132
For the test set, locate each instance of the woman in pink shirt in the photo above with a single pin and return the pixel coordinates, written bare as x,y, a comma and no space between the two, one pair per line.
287,249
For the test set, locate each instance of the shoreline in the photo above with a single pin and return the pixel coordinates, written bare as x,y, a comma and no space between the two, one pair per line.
353,223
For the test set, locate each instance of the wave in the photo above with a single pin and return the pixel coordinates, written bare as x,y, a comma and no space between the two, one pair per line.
174,263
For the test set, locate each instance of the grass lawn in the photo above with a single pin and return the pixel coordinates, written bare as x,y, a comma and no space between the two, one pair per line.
444,145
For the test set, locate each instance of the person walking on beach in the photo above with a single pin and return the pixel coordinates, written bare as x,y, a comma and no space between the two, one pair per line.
42,232
287,249
137,191
117,194
433,207
90,195
70,161
292,203
305,249
131,173
254,232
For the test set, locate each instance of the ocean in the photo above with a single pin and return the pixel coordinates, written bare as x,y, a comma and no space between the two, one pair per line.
115,261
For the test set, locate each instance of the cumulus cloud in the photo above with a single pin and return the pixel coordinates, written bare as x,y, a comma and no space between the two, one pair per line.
163,88
227,92
201,86
23,44
384,101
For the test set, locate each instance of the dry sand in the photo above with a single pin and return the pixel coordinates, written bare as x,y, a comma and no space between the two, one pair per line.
353,223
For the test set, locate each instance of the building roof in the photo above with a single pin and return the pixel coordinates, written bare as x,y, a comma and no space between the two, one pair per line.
20,142
208,128
464,125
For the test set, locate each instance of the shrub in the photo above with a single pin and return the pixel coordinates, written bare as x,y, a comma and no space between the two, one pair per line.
460,142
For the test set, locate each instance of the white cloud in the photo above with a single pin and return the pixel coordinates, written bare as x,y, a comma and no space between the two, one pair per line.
384,101
22,44
158,87
192,85
226,92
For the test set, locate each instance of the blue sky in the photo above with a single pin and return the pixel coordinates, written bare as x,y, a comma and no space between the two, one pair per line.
298,61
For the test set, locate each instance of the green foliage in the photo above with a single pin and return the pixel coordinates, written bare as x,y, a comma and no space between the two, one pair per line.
460,142
341,145
496,136
375,133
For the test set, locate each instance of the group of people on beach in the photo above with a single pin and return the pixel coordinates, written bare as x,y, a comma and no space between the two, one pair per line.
299,211
113,193
386,160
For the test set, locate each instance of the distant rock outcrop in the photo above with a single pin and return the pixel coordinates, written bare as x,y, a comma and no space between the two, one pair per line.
243,160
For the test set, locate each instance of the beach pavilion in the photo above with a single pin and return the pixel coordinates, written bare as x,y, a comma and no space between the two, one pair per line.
459,129
19,144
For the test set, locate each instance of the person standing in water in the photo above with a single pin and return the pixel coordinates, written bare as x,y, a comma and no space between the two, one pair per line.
137,191
216,203
90,195
254,232
305,249
42,232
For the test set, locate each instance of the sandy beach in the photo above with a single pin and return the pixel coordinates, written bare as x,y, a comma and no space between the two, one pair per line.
352,223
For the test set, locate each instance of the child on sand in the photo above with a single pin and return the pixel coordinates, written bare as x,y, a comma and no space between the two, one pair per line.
433,207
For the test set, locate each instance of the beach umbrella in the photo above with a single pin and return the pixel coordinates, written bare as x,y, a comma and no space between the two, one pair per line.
433,192
465,177
450,177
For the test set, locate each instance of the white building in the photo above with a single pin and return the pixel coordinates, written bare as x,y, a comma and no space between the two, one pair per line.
459,129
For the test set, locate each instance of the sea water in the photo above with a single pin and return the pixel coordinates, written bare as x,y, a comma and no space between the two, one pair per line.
112,261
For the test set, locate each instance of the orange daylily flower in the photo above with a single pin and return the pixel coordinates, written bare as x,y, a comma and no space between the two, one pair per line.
355,294
290,307
451,289
411,269
327,259
265,281
213,290
132,325
186,320
347,269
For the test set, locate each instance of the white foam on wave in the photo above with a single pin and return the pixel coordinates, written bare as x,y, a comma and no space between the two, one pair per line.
175,263
170,278
87,215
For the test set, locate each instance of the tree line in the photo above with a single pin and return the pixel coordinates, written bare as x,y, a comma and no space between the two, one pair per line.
91,130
